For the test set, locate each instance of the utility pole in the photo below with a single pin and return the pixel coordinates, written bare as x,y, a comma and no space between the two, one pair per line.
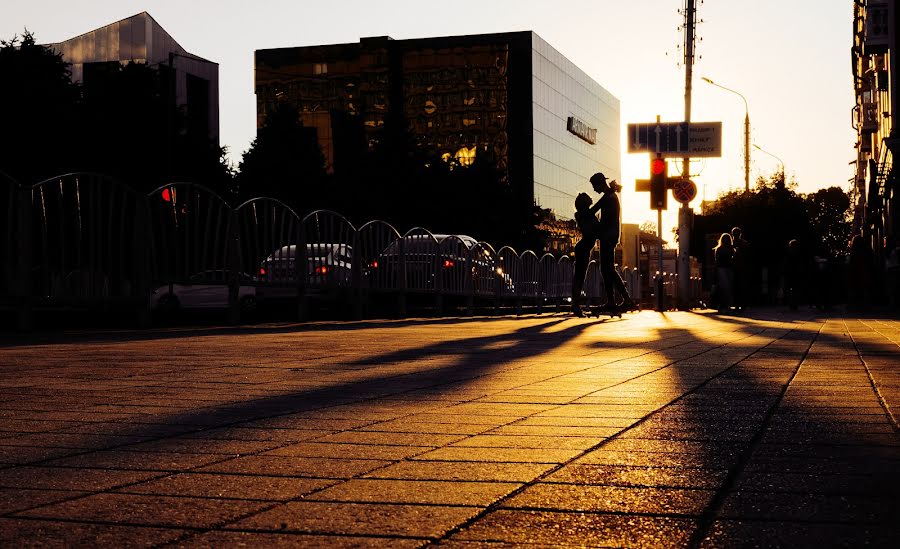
685,214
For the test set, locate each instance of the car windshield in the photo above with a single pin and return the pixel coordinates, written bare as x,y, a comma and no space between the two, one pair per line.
314,252
423,243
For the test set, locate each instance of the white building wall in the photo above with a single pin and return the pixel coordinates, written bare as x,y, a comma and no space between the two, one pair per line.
563,162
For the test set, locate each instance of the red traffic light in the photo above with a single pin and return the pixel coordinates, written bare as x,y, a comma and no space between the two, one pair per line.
658,166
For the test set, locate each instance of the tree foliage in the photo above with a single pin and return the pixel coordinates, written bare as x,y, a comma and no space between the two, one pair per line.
122,122
830,218
38,107
285,162
770,216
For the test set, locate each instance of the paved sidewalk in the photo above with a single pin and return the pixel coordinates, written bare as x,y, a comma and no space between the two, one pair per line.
653,431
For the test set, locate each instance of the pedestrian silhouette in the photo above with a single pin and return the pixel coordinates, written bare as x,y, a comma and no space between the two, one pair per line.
741,269
590,228
724,259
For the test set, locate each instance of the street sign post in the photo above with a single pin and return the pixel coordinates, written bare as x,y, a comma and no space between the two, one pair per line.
679,139
684,190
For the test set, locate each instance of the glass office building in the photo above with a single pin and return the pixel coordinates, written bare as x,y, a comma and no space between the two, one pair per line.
510,99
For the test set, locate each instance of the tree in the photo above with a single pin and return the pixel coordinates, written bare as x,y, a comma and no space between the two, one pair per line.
138,134
770,216
38,107
285,162
122,122
648,227
830,218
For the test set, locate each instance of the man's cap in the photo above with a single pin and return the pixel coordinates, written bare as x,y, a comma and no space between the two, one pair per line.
598,178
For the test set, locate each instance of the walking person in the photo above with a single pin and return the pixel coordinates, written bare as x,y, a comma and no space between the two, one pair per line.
610,223
724,260
741,269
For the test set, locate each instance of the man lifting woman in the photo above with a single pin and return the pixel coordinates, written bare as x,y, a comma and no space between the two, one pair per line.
606,230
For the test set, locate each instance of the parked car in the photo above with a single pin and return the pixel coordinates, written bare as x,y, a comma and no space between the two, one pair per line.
327,265
425,255
205,290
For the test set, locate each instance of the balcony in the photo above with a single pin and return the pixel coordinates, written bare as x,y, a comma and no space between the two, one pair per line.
878,27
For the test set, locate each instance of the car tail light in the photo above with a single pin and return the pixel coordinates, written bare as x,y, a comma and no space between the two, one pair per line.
448,263
373,265
322,269
262,271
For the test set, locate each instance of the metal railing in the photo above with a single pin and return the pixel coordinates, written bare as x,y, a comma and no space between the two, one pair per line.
87,241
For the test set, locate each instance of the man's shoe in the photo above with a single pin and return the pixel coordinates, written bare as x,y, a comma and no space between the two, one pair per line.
576,310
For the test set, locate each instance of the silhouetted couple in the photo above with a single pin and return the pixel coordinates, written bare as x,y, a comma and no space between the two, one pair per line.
606,230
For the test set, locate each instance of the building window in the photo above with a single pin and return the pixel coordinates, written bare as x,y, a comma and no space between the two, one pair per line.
320,68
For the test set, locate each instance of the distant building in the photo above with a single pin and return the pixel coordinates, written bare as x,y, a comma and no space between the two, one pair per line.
509,97
140,39
875,77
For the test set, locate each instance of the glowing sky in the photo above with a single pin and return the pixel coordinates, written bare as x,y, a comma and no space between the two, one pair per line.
790,59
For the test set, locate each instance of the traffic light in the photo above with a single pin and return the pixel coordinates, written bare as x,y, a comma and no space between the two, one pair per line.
659,174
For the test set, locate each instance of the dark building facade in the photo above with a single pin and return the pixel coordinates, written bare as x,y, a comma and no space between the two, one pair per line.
875,77
509,101
140,39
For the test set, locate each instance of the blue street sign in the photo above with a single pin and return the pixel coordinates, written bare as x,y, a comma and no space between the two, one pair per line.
698,139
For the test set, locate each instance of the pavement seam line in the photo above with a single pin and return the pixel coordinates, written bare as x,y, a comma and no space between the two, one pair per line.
499,502
714,507
881,400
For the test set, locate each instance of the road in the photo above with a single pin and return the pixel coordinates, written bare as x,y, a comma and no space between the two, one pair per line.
657,430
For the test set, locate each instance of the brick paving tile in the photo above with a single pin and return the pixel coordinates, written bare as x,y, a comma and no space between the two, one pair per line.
16,455
838,484
556,431
422,521
409,426
417,491
200,446
147,510
69,440
258,435
617,475
812,508
396,439
611,499
579,422
295,467
315,424
464,470
529,441
218,539
347,451
143,461
210,485
20,499
657,459
515,455
579,529
46,533
66,478
732,533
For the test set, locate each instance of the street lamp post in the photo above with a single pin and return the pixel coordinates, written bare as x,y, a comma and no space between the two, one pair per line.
746,131
783,173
